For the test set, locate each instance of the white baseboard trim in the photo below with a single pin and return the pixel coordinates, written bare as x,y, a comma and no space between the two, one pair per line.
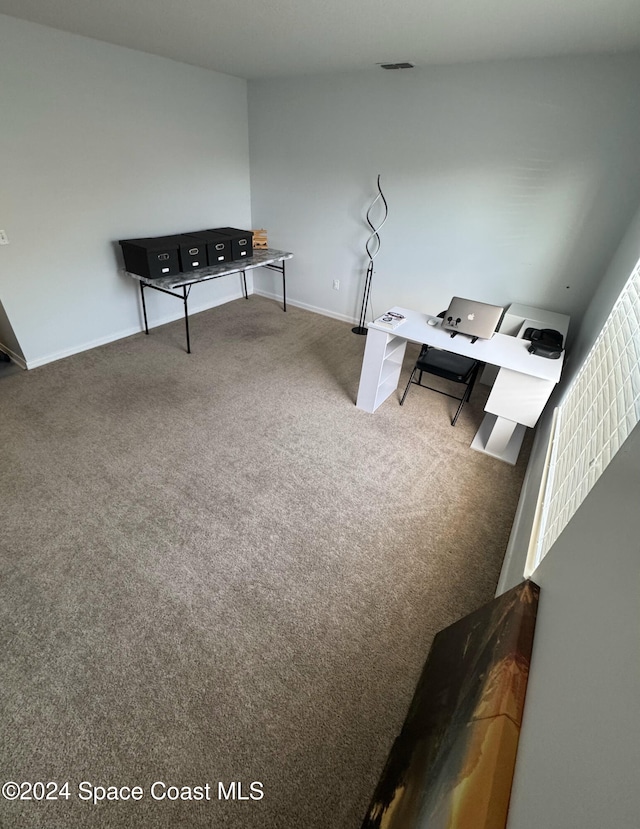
314,308
18,359
126,332
171,317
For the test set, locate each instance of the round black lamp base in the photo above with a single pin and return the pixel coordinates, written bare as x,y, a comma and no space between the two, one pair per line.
359,329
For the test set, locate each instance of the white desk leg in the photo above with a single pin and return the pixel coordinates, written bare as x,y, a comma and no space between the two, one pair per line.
381,367
515,402
500,438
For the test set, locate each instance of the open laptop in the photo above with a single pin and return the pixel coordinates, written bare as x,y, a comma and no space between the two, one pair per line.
475,319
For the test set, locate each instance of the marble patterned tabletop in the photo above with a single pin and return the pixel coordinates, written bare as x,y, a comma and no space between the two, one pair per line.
258,259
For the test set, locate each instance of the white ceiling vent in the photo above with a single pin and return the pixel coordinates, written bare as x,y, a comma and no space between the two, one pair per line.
404,65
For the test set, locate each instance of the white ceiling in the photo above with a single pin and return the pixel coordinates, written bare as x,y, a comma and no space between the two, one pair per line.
268,38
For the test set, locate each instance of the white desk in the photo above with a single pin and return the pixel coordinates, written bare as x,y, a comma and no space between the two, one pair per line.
519,394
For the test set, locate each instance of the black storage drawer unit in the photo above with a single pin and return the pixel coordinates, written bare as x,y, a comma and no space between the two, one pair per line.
192,252
241,241
151,258
218,246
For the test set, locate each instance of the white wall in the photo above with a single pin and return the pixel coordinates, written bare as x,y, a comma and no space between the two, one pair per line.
506,181
579,752
100,143
612,283
579,749
623,263
8,339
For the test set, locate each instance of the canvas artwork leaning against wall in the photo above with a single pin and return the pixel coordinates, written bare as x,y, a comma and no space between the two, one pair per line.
452,765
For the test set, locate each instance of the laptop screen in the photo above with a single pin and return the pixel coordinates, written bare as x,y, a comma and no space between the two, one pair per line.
473,318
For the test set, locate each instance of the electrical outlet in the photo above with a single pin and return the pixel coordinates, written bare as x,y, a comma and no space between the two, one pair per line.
4,239
336,284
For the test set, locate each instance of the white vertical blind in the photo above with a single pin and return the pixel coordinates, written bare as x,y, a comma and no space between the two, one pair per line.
595,416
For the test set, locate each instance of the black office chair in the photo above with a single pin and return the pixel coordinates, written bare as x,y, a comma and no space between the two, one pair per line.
453,367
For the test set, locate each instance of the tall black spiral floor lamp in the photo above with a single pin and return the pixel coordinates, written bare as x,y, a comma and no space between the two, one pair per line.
372,247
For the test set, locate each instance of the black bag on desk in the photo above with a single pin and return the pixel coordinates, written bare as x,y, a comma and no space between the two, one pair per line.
545,342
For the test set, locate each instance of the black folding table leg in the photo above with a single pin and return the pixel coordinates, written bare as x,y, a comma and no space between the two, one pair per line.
244,284
284,288
144,308
274,267
185,295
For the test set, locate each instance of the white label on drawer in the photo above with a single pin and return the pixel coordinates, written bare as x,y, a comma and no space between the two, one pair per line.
243,253
165,270
220,258
195,264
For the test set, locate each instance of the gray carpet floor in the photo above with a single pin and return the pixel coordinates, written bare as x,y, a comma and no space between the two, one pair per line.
215,568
